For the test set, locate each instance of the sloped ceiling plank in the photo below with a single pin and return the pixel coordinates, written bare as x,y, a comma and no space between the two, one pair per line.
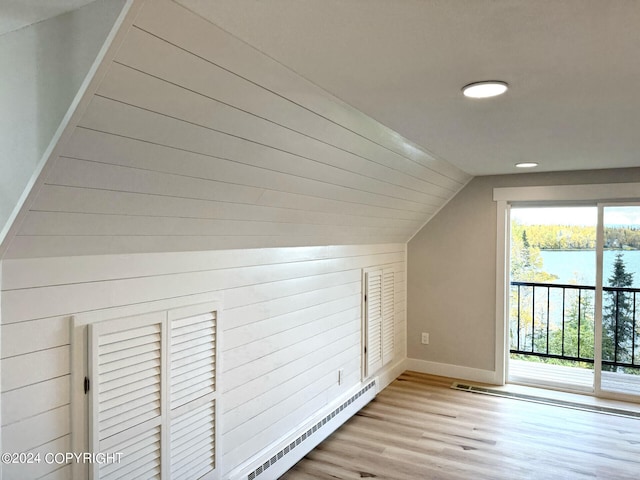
223,158
54,198
143,52
169,21
67,223
106,112
148,93
79,173
176,152
75,112
82,174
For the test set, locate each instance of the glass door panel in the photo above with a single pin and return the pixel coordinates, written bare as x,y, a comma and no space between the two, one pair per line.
552,296
620,363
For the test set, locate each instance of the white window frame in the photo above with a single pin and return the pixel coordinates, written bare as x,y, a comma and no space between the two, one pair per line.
207,302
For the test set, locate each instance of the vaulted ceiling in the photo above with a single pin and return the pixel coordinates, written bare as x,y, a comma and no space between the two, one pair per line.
189,139
572,66
242,124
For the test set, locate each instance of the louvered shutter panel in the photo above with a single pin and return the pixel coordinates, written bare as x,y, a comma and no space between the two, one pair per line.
388,316
193,443
192,394
373,320
154,394
126,398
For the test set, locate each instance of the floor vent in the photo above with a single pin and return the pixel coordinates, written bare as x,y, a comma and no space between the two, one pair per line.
548,401
312,430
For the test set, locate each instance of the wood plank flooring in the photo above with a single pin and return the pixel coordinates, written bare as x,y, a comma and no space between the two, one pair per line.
419,428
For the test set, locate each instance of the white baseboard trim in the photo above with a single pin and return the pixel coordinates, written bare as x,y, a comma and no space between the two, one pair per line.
453,371
391,373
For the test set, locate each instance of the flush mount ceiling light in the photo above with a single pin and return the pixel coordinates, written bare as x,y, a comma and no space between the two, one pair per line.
526,165
489,88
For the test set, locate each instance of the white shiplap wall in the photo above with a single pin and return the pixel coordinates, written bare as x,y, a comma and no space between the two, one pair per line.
196,141
291,318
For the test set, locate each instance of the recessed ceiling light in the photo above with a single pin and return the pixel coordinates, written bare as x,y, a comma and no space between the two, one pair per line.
526,165
491,88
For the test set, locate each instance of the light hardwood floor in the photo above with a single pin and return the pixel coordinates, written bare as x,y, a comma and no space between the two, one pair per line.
419,428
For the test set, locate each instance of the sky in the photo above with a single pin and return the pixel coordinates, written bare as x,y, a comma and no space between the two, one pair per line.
627,215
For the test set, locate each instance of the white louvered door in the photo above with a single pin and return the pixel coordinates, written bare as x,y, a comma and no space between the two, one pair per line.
379,318
388,316
154,395
373,321
126,396
192,393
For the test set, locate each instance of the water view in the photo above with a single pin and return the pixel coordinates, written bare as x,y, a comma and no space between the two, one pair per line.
580,266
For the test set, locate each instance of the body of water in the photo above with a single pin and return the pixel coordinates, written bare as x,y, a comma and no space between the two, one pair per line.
580,266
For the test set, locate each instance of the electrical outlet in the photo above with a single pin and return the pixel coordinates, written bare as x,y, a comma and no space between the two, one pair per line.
425,338
340,376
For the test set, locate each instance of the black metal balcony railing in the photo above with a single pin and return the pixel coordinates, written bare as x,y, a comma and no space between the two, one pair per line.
557,321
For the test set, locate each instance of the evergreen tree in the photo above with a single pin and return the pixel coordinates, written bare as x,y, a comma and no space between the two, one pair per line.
526,261
617,317
578,311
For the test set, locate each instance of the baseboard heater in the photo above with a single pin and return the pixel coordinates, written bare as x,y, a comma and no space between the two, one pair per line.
284,457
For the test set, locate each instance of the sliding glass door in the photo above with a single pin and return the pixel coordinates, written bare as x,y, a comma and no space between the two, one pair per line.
574,298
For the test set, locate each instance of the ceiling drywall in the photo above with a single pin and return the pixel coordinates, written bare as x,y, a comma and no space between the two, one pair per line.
572,66
16,14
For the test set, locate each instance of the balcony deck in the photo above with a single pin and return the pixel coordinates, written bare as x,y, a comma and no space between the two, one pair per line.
570,378
554,319
552,376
